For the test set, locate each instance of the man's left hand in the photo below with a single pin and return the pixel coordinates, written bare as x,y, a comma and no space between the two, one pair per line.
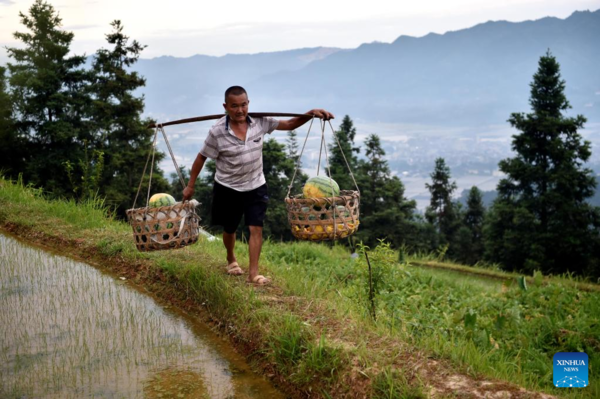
321,113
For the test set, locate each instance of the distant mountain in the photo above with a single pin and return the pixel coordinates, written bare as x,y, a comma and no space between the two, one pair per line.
180,87
488,197
468,77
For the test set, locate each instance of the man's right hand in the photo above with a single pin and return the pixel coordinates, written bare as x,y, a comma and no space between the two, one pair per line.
187,193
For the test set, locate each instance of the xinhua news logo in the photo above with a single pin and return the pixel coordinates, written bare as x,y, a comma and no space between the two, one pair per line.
571,370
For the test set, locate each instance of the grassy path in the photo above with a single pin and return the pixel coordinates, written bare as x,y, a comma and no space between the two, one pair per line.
311,332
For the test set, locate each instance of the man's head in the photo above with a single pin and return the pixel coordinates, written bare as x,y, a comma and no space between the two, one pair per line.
236,103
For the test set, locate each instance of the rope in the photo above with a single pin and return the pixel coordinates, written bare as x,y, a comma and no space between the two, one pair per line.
320,149
344,156
151,167
181,180
143,174
299,158
327,167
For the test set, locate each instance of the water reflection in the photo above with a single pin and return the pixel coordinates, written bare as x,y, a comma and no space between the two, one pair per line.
68,330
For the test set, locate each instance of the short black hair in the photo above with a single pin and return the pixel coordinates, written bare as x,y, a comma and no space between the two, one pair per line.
235,90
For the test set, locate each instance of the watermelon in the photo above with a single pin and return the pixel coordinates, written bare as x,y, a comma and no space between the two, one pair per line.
319,187
161,199
157,226
342,211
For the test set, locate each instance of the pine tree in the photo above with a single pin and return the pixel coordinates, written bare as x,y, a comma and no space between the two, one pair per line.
470,235
375,174
339,171
294,154
385,212
11,145
278,168
121,133
442,212
49,97
541,219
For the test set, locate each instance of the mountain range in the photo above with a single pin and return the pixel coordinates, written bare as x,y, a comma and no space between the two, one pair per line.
470,77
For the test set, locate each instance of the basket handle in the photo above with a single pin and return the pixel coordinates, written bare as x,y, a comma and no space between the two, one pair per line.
344,156
299,158
151,155
321,147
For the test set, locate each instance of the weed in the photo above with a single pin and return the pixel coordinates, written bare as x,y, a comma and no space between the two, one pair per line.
391,384
320,362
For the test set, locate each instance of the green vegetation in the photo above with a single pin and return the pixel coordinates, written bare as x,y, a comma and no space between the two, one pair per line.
317,321
541,219
73,131
345,151
78,133
442,213
470,235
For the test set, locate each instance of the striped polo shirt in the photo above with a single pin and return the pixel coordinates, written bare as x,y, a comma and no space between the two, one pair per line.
239,163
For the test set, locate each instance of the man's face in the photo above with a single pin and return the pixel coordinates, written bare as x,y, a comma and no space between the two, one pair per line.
237,107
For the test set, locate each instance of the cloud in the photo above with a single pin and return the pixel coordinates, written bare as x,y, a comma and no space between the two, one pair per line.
8,2
80,27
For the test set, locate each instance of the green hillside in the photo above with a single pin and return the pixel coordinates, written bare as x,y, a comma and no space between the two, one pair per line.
314,332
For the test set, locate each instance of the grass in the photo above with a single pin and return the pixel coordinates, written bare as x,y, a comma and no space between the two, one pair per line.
314,330
392,384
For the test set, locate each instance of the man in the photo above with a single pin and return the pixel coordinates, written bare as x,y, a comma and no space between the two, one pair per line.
235,142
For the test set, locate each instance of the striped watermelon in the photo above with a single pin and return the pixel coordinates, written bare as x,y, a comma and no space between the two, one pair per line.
319,187
161,199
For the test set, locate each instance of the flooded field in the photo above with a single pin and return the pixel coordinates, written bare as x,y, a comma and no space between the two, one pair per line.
68,330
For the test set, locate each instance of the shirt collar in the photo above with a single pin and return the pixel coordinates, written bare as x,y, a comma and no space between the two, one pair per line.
249,119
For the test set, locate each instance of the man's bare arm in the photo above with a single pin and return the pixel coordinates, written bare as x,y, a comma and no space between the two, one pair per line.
296,122
196,168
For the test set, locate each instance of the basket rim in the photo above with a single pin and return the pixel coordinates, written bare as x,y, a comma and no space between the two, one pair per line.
177,204
344,195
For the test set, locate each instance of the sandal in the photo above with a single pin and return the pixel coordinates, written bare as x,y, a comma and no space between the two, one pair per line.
260,280
233,269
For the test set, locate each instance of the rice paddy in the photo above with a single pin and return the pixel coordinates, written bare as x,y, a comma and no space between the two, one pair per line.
68,330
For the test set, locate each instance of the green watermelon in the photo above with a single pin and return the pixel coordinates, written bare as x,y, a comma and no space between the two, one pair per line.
157,226
306,210
342,211
161,199
319,187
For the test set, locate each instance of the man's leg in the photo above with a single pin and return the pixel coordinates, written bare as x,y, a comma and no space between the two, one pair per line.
255,210
229,242
227,212
254,247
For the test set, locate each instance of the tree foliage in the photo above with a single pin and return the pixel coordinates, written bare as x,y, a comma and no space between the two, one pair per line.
293,152
385,211
50,102
121,135
339,170
541,219
11,145
469,240
442,212
278,168
75,132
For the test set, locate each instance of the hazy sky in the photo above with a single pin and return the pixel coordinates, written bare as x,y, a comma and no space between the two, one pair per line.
187,27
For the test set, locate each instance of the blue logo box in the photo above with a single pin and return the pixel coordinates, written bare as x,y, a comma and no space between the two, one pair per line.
571,370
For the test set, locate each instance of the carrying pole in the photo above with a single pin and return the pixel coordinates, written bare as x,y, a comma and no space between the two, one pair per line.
219,116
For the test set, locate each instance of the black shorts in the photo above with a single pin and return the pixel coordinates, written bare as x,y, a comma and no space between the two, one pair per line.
229,205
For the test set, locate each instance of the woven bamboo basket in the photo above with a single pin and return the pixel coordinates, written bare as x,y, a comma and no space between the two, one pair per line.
322,219
166,227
